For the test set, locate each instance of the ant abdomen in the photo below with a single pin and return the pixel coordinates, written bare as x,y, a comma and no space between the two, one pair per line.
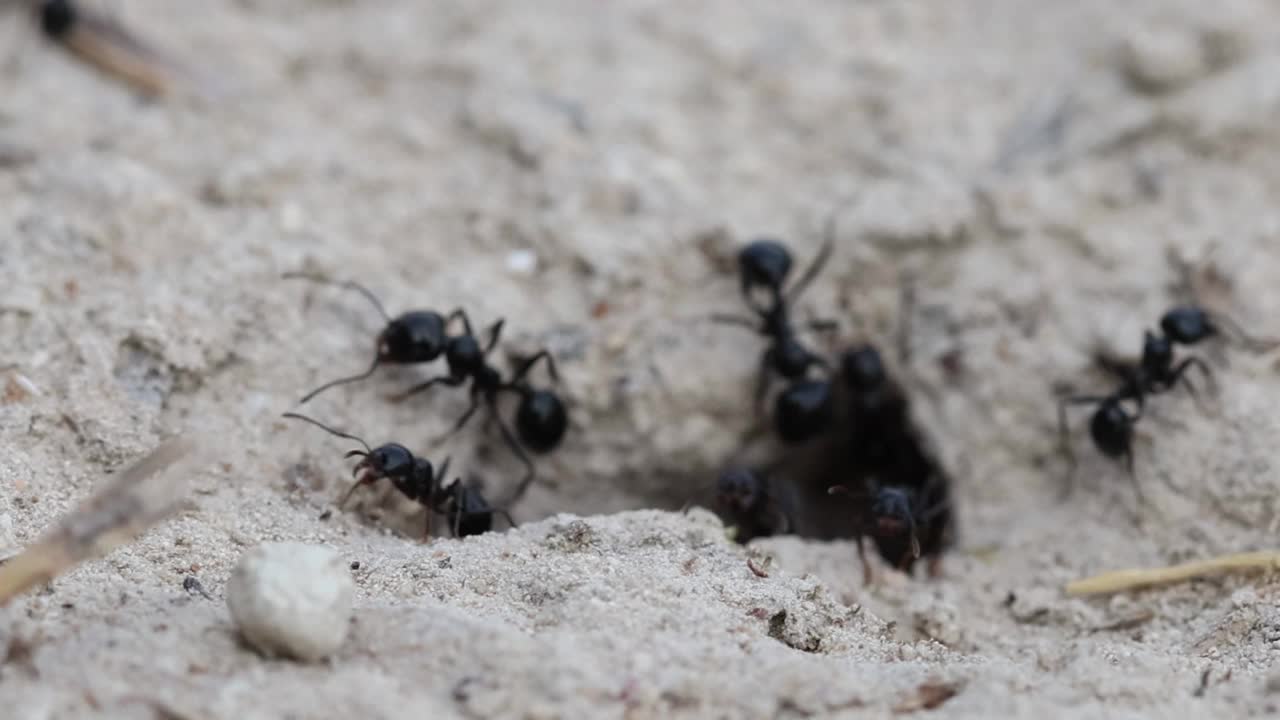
541,420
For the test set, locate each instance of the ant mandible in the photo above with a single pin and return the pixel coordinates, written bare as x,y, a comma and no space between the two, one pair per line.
417,336
541,418
765,264
417,479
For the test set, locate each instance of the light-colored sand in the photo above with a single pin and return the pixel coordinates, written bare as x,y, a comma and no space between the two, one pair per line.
1032,164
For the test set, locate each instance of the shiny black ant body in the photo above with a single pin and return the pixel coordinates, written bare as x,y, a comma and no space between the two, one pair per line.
764,265
417,479
541,419
748,499
905,522
414,337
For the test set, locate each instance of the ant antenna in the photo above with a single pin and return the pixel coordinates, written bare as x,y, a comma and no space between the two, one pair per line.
345,284
341,381
329,430
1242,336
815,267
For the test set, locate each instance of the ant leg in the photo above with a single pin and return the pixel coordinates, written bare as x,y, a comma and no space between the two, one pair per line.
739,320
462,421
1064,439
867,575
762,380
530,471
426,532
1133,475
351,491
495,332
503,512
1186,365
1179,374
528,364
906,308
782,524
459,314
449,380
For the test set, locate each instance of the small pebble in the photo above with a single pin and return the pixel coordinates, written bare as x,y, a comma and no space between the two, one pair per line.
1160,60
292,600
522,262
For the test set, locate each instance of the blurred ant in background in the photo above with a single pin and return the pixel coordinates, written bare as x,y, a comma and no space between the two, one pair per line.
417,479
751,504
764,265
905,522
98,40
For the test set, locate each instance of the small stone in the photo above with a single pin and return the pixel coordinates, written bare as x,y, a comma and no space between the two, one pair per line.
292,600
522,262
1161,60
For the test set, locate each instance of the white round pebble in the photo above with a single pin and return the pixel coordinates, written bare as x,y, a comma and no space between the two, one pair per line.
291,600
1160,60
522,262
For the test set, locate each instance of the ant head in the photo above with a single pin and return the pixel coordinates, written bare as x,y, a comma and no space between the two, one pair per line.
464,355
541,420
764,263
739,489
803,410
862,368
892,509
385,461
1187,325
414,337
57,17
1157,354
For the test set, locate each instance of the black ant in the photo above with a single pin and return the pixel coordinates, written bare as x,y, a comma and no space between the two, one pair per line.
417,479
1111,426
415,337
541,418
751,505
906,523
765,264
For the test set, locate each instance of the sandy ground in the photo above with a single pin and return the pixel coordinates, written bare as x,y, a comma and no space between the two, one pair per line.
1034,165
